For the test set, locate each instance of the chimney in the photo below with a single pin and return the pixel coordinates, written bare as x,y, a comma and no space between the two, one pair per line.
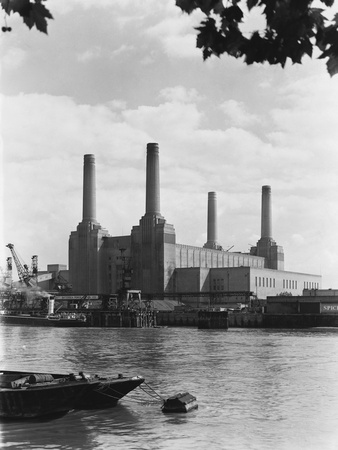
212,221
152,180
89,189
266,212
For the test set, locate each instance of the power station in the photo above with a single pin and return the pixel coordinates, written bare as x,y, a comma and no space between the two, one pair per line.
150,260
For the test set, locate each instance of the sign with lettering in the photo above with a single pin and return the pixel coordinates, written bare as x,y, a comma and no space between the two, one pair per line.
329,308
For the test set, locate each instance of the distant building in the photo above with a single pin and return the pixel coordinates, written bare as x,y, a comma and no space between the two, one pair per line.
149,258
313,301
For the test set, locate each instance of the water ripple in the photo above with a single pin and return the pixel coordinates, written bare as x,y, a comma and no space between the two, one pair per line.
256,389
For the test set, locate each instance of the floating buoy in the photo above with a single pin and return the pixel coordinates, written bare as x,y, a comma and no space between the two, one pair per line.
179,403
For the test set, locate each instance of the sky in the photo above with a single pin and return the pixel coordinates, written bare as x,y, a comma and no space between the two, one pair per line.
114,75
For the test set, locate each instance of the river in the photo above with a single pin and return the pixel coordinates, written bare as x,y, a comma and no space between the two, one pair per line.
256,389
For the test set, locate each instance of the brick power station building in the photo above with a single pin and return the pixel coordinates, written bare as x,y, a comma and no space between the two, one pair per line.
150,260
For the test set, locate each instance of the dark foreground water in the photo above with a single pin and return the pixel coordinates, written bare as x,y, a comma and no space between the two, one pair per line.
256,389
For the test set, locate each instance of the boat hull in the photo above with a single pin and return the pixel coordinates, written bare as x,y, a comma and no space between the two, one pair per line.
40,321
61,394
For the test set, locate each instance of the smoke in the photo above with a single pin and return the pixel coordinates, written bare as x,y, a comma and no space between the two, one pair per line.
33,294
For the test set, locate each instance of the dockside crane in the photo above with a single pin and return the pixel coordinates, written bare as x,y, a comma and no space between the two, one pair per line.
25,276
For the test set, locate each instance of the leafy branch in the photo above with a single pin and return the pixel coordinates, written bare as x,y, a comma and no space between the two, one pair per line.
34,13
293,28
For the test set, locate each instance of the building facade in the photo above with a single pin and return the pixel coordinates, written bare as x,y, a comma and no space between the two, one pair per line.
149,258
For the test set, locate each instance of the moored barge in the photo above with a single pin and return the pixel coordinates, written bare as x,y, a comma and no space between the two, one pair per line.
25,395
44,320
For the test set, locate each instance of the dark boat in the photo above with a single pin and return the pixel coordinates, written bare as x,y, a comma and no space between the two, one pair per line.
29,394
44,320
12,313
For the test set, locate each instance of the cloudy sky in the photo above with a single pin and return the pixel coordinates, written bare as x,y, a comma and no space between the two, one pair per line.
113,75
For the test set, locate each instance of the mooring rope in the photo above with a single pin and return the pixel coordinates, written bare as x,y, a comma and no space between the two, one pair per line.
119,398
103,390
157,395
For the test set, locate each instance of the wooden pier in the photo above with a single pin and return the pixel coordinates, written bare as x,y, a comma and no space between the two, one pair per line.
121,318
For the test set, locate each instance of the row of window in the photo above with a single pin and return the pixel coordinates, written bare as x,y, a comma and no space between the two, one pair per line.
218,284
311,285
187,257
290,284
287,284
219,287
265,282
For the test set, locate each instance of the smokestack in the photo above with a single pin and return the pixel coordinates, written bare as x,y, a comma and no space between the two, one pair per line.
212,222
266,212
212,218
152,180
89,189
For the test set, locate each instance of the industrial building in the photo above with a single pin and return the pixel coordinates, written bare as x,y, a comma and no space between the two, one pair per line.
149,259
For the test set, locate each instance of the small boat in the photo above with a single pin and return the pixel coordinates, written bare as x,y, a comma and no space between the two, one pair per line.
44,320
48,318
30,394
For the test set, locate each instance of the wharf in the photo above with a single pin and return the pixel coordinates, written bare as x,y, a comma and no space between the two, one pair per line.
121,318
213,320
190,319
147,318
251,320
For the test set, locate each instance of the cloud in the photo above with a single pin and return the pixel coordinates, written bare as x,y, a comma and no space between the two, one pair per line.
298,239
176,35
237,114
165,120
181,46
14,58
90,54
65,7
180,94
97,52
45,152
122,49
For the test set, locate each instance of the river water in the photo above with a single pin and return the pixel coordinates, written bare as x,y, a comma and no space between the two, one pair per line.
256,389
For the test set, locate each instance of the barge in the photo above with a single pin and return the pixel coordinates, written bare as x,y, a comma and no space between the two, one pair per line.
27,395
44,320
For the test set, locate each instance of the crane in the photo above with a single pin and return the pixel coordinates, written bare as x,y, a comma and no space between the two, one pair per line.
25,276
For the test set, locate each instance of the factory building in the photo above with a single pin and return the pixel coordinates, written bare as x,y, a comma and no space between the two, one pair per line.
149,259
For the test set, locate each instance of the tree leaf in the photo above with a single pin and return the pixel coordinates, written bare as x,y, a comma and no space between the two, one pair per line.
17,6
251,4
332,65
32,12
